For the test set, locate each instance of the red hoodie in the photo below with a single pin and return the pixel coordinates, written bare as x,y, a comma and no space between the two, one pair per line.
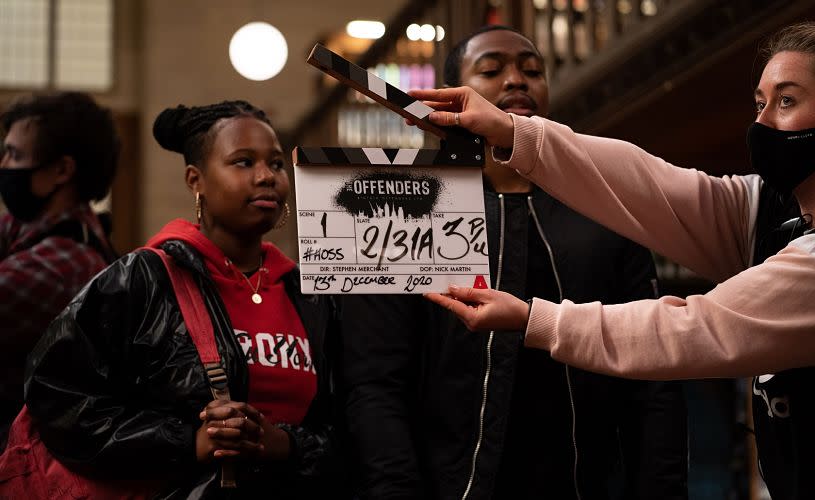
282,378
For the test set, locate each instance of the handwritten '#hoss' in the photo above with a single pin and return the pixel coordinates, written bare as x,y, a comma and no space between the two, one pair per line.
322,254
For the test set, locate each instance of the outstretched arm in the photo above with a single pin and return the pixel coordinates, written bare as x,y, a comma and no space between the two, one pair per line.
705,223
757,322
475,113
484,310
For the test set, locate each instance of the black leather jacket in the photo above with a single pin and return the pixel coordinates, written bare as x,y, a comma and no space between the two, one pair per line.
428,402
116,385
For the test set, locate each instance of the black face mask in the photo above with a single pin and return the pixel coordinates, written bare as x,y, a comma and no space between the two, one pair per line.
783,159
15,189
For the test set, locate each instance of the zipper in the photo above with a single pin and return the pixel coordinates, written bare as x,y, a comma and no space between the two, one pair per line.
566,367
548,247
485,385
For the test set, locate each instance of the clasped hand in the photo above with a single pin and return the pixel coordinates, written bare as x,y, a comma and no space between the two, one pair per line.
229,429
235,429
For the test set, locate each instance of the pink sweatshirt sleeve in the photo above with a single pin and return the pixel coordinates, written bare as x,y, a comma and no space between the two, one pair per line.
702,222
759,321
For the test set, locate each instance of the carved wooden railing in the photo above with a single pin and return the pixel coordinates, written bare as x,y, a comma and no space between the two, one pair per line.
603,59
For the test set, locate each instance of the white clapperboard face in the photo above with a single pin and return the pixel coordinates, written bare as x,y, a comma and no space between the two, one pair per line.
373,220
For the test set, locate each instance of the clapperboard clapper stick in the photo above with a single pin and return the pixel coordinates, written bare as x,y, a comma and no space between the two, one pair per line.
458,148
390,220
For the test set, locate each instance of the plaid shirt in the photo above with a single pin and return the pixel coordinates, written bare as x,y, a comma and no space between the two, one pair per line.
39,275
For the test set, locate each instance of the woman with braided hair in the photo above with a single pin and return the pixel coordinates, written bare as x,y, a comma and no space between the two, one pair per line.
117,387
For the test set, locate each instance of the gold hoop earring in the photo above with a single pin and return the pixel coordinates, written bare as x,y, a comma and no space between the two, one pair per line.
198,207
285,218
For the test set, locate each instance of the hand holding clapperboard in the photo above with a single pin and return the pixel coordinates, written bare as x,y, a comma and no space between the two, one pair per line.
374,220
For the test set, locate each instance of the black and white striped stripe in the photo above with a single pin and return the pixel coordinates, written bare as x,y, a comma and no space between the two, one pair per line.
304,156
374,87
372,156
458,146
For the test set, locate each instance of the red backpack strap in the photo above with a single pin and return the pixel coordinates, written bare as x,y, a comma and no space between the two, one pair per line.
199,325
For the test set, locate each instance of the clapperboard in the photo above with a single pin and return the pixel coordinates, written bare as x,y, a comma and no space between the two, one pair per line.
378,220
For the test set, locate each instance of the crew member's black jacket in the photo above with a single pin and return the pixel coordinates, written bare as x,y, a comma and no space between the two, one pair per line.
783,403
428,403
116,385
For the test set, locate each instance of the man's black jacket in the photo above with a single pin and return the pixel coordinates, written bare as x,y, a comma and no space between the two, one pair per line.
416,381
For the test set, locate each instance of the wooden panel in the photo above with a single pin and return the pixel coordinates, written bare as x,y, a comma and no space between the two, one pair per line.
125,193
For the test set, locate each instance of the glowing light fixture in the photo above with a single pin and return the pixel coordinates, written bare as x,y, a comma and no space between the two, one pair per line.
414,32
649,8
365,29
427,33
258,51
560,26
624,7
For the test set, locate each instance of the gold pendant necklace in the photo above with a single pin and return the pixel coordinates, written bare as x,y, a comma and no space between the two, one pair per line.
256,298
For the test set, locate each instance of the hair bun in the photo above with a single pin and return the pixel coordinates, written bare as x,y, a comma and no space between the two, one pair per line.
167,128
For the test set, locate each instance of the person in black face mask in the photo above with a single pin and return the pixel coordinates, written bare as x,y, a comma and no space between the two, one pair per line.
59,152
760,318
